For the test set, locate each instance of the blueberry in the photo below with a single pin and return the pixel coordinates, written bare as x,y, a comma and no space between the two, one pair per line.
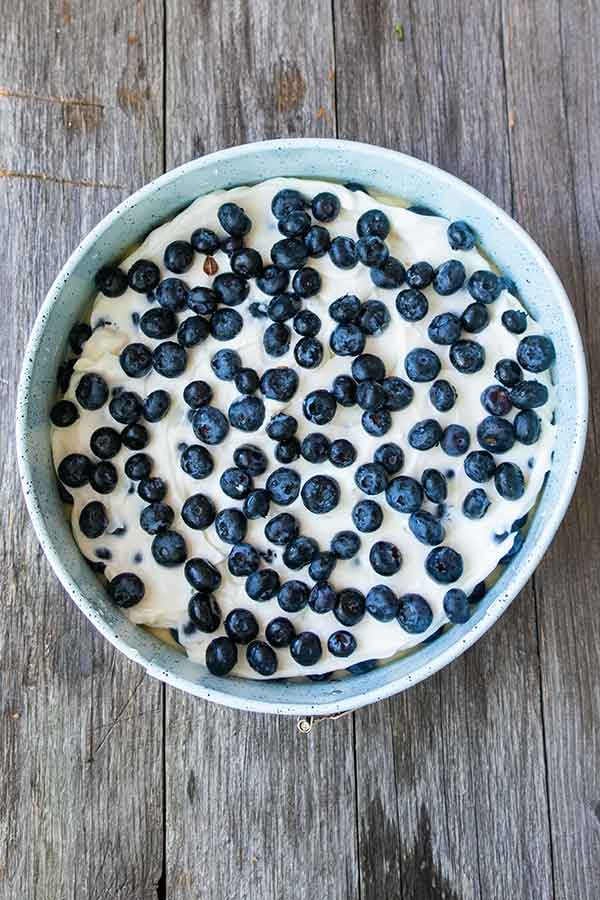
235,483
231,525
241,626
467,356
315,447
169,359
391,457
509,481
261,658
414,614
371,478
306,648
322,566
152,490
514,320
362,668
63,414
196,461
158,323
111,281
247,381
385,558
193,331
274,280
370,395
93,520
233,219
342,453
495,434
496,400
197,394
231,289
204,612
342,252
390,275
300,552
256,505
444,329
306,282
425,434
426,528
435,486
355,186
63,376
143,276
156,406
78,335
475,318
368,367
285,201
420,210
287,451
449,277
322,598
276,339
317,241
412,305
376,423
442,395
280,632
168,549
419,275
480,466
444,565
295,224
283,306
74,470
105,442
92,391
156,517
517,544
350,607
202,575
135,436
319,407
373,318
461,236
373,222
202,301
527,426
397,392
372,251
307,323
221,656
247,414
455,440
210,425
484,286
422,365
178,256
325,206
508,372
262,585
456,606
257,310
341,643
404,494
231,244
345,544
382,603
344,390
293,596
279,384
308,352
126,589
281,427
250,459
172,294
290,253
283,486
138,466
320,494
478,592
203,240
345,309
347,340
476,504
246,263
528,394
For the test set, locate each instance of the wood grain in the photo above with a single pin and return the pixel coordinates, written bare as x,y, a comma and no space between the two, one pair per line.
81,791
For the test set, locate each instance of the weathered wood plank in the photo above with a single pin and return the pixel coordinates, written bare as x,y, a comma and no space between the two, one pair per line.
553,71
449,773
253,808
81,793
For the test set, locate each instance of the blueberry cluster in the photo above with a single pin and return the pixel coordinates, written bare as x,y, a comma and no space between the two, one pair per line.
210,311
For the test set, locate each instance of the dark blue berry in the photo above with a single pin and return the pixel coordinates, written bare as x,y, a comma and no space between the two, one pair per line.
92,391
172,294
256,505
372,251
210,425
193,331
517,544
273,281
138,466
307,323
412,305
281,427
241,626
382,603
528,394
231,525
202,575
461,236
105,442
322,566
306,648
514,320
425,434
373,318
300,552
178,256
342,252
456,606
347,340
478,592
414,614
126,589
467,356
198,512
444,565
306,282
341,643
350,607
280,632
168,549
281,529
246,263
93,520
496,400
322,598
78,335
370,395
373,222
355,186
203,240
202,301
63,376
276,339
279,384
156,517
231,289
422,365
480,466
283,306
508,372
444,329
420,210
420,275
442,395
111,281
286,201
152,490
345,544
196,461
250,459
235,483
317,241
385,558
308,352
362,668
257,310
371,478
290,253
475,318
426,528
156,406
320,494
284,486
527,426
204,612
295,224
221,656
509,481
397,392
233,219
325,206
484,286
143,276
262,585
404,494
287,451
315,447
226,364
449,278
455,440
247,414
342,453
391,457
495,434
345,309
390,275
476,504
63,414
261,658
435,486
169,359
158,323
376,423
344,390
74,470
197,394
319,407
368,367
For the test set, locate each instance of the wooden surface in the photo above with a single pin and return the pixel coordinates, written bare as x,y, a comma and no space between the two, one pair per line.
483,782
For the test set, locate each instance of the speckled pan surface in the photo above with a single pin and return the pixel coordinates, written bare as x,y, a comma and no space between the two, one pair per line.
384,171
